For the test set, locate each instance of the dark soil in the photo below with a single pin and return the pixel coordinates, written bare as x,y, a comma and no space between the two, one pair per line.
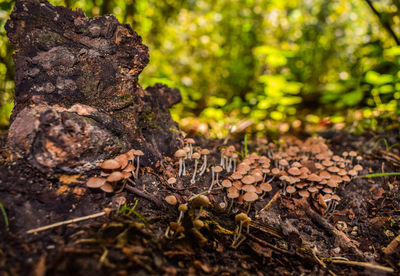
292,238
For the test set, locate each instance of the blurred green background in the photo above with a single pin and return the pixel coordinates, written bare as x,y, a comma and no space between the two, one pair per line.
260,65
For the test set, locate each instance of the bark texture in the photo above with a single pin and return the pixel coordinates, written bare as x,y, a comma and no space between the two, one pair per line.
77,96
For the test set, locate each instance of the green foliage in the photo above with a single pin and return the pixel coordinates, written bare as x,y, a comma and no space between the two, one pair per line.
278,64
5,217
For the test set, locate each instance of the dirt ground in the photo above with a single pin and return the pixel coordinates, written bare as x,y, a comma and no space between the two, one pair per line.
291,237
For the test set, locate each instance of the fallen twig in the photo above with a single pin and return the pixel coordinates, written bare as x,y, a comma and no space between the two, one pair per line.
280,250
145,195
105,212
273,199
362,264
392,246
341,238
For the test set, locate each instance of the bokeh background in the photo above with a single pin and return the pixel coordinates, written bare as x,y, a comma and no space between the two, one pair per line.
259,65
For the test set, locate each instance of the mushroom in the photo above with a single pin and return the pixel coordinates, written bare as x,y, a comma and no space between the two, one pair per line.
110,164
95,182
198,224
217,170
244,221
250,197
199,201
190,142
171,181
196,157
171,200
138,153
203,167
182,209
181,154
107,188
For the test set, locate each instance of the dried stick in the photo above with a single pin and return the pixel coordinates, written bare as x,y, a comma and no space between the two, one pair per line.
106,211
273,199
140,193
363,264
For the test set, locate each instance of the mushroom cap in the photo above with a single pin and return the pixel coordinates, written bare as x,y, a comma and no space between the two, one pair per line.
115,177
126,174
205,152
243,167
200,200
189,141
110,164
123,160
242,217
250,196
333,169
352,172
257,177
107,188
266,187
325,175
304,193
182,207
358,167
327,190
171,180
321,201
180,153
236,175
248,179
218,169
335,197
226,183
95,182
131,154
171,200
327,163
332,184
237,184
283,162
129,168
275,171
198,224
290,189
314,178
312,189
294,171
196,155
139,153
352,153
232,192
249,188
296,165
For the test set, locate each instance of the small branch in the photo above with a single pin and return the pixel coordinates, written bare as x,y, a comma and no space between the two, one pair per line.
145,195
105,212
363,264
385,24
273,199
269,245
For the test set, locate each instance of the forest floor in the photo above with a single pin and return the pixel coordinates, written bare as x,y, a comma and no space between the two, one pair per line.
291,236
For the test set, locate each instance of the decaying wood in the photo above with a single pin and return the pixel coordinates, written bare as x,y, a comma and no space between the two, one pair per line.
77,96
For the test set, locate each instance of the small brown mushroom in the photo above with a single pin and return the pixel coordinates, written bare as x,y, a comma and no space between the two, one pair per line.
171,200
107,188
181,155
196,157
95,182
110,164
138,153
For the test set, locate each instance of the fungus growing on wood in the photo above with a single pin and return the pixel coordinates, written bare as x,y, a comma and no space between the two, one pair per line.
181,155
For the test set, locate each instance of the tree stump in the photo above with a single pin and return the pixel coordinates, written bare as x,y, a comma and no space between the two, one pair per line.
77,96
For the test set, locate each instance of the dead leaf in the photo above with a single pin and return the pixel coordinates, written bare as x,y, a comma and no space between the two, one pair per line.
68,179
40,267
260,250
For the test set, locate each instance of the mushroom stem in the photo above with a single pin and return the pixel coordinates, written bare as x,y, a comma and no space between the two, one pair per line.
184,168
234,164
191,151
137,167
212,180
194,173
204,166
180,167
248,208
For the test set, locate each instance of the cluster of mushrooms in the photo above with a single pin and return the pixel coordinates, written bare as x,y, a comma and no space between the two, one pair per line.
117,170
305,169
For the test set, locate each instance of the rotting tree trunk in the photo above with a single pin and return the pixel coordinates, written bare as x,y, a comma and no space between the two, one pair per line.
77,96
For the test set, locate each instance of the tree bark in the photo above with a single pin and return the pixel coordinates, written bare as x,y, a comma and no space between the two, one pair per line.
77,96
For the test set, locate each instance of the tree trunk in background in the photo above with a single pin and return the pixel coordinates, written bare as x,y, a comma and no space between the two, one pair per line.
77,96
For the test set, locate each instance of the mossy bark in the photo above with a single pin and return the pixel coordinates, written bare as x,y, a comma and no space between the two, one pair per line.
76,83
